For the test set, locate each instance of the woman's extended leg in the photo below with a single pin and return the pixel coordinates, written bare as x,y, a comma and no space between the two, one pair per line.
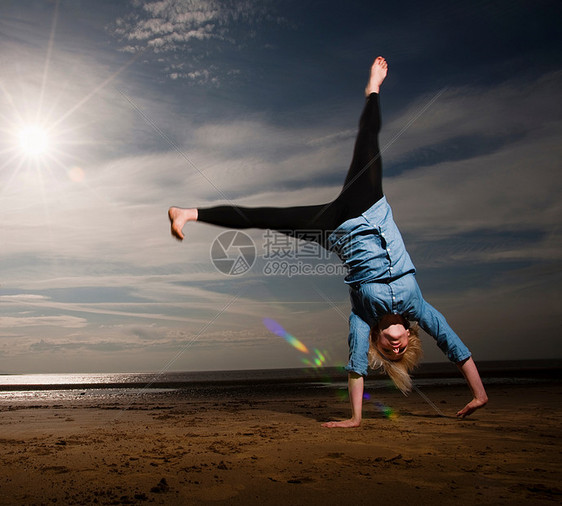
363,183
362,187
306,222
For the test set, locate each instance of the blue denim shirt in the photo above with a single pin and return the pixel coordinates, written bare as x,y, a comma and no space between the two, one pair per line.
381,279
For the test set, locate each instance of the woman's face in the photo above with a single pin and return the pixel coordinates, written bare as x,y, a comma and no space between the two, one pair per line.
392,341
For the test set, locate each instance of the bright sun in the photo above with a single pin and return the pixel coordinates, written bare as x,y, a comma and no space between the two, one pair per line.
33,141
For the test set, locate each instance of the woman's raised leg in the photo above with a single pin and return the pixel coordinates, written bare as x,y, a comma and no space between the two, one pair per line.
362,187
306,222
363,183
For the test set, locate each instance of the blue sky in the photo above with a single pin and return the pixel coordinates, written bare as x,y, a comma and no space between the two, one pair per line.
196,103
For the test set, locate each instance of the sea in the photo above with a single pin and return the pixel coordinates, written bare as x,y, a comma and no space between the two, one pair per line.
121,387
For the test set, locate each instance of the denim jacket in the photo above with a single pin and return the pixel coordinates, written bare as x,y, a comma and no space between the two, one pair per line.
381,277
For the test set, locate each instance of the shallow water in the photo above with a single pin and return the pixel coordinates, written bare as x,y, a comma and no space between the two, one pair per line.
107,388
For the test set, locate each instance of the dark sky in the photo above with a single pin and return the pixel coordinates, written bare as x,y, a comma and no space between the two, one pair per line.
112,111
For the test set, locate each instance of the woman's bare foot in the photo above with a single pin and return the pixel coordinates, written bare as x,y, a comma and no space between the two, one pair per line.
178,218
344,424
378,73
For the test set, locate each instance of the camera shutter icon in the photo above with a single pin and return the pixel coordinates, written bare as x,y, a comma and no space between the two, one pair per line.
233,253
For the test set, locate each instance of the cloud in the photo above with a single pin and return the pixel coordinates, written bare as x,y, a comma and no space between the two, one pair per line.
510,187
102,346
237,337
65,321
23,298
197,28
326,140
255,162
455,206
505,110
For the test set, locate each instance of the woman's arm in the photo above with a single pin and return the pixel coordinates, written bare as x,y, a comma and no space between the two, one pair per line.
479,396
434,323
355,385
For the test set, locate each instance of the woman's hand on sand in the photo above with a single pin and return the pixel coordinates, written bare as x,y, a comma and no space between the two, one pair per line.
344,424
471,407
479,396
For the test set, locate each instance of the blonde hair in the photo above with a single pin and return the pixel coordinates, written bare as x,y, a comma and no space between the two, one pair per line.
398,370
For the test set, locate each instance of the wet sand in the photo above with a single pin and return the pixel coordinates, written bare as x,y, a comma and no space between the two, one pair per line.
269,448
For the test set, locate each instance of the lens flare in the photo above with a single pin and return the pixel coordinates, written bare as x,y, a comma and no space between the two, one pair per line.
387,411
342,395
315,358
278,330
295,343
76,174
274,327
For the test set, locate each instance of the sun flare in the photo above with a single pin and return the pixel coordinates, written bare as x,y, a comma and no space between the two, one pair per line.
33,141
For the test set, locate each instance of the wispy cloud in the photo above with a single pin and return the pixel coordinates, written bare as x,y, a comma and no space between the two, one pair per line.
473,181
255,162
40,321
511,186
192,29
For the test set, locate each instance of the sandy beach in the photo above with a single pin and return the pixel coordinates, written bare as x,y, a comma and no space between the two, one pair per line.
269,448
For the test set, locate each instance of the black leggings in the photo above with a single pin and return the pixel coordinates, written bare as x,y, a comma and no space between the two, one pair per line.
362,188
